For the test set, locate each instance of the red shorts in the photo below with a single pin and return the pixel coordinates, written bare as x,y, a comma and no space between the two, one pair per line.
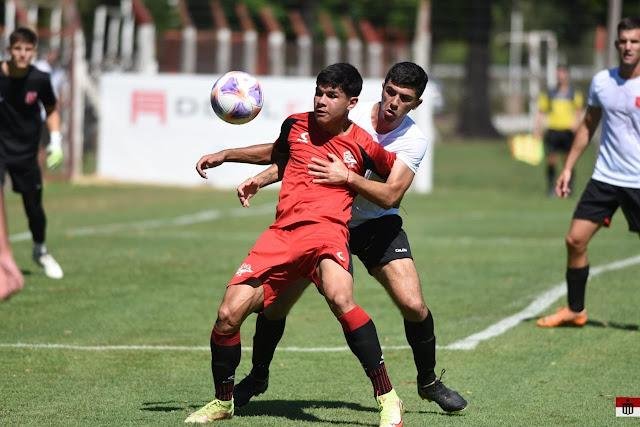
280,257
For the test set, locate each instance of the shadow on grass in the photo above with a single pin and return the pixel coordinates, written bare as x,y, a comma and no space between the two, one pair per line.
598,324
614,325
295,410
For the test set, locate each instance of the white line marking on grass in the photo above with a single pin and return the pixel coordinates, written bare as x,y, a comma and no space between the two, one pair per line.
175,348
179,221
541,303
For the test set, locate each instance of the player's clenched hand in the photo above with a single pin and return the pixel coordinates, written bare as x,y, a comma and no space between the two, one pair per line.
209,161
331,171
247,190
562,184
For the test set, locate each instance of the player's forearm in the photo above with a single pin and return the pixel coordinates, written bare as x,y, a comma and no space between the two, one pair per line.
580,143
384,194
268,176
53,121
255,154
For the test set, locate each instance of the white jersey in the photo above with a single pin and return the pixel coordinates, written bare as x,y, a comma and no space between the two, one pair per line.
407,141
619,155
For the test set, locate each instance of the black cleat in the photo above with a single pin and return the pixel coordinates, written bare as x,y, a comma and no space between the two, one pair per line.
449,400
247,388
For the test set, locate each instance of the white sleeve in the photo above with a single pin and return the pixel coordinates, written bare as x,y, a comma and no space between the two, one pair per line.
412,153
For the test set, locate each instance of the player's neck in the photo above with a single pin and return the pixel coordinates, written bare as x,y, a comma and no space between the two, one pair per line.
339,127
629,71
379,124
9,69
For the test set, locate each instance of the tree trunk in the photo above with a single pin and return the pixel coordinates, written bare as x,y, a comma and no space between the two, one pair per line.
475,109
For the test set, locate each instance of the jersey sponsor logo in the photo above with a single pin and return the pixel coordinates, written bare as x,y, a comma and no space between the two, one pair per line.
638,101
304,137
401,250
340,256
30,97
244,268
348,158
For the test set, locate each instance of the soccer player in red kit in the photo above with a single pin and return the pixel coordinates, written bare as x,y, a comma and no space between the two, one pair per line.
307,241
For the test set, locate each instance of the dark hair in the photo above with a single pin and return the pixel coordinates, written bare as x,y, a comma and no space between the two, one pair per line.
629,23
408,74
343,76
23,34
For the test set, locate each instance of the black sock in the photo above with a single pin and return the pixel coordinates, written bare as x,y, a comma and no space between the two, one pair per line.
576,285
362,339
551,177
267,336
422,340
225,358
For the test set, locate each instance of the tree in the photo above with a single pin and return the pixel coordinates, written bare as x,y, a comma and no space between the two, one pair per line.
475,110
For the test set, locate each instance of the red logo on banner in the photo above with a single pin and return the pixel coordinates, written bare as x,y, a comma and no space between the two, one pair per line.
628,406
638,101
30,97
148,102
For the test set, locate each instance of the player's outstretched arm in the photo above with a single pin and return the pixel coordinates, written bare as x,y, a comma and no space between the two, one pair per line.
259,154
249,188
385,194
584,133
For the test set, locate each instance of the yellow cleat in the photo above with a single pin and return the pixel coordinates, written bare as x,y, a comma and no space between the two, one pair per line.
391,409
212,411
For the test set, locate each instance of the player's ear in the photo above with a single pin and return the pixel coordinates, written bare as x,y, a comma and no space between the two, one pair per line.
352,102
418,102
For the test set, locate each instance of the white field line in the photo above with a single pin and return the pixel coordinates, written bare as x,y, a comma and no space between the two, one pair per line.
175,348
541,303
183,220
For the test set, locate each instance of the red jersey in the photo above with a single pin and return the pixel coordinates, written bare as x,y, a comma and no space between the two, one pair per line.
303,201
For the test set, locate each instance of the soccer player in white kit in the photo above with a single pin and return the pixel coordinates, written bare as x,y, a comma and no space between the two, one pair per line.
614,97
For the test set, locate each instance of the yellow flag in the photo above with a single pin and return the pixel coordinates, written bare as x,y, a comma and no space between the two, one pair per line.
526,148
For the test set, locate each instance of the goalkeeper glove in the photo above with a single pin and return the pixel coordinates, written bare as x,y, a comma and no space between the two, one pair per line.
54,150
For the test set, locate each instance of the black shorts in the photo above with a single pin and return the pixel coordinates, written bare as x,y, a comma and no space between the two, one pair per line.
25,174
600,200
379,241
557,141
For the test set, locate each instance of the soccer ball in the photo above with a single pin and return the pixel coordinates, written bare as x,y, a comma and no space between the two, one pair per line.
236,97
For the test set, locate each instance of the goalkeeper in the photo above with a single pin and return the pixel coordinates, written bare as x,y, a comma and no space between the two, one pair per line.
23,90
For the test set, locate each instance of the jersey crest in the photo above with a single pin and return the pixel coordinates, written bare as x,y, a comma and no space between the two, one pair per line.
31,97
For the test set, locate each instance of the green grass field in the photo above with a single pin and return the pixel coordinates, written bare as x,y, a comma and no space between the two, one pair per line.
146,267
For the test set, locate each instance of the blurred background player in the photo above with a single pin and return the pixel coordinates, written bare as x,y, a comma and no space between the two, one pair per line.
307,242
614,97
559,112
23,90
376,234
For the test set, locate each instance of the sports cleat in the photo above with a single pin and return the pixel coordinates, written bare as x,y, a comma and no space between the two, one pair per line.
51,267
563,317
449,400
391,409
215,410
247,388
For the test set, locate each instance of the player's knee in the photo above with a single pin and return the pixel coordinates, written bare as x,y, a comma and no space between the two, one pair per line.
575,243
227,322
340,302
414,310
